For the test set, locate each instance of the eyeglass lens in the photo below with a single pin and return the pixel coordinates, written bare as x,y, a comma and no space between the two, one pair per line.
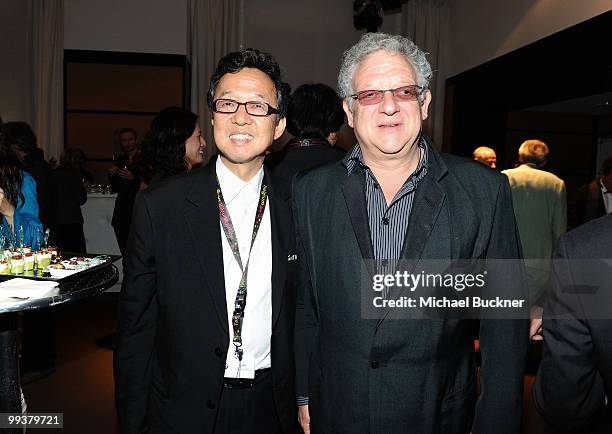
404,93
252,107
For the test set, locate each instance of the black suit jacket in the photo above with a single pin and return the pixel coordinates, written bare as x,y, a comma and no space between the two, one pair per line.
395,376
173,333
576,370
293,159
585,204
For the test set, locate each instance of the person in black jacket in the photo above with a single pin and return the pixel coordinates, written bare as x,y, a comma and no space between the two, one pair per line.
70,195
124,177
314,118
182,363
573,387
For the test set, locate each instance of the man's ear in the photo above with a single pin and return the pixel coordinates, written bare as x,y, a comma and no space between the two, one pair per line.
280,128
348,111
425,104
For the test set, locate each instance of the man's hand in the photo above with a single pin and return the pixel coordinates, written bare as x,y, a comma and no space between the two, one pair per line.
121,172
304,418
535,325
125,173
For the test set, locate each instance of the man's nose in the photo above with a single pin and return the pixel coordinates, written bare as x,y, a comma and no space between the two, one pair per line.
388,105
241,117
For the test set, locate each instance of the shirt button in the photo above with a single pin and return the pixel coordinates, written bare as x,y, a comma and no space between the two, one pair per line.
376,186
219,351
385,221
210,404
384,262
374,364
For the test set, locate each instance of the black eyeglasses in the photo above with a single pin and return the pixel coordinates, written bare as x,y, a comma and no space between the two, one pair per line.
254,108
404,93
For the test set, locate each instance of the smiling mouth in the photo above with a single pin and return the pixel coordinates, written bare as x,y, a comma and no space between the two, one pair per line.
389,125
240,137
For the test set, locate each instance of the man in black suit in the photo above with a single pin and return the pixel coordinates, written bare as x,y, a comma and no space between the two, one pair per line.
194,353
314,118
592,200
396,197
574,383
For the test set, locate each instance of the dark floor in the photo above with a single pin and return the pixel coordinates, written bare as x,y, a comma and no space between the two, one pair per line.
82,385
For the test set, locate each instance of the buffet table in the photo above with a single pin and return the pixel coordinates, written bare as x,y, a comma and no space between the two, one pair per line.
72,288
99,234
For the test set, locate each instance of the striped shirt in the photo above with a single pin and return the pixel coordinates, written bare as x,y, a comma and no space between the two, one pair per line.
388,223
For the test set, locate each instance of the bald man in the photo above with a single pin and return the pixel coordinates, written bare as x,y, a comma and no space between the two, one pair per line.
486,156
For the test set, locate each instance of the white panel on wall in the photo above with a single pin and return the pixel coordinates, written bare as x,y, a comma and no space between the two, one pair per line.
141,26
483,30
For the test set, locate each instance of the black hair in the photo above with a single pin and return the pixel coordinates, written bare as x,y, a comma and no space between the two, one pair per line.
127,130
11,179
20,134
164,145
72,157
251,58
315,111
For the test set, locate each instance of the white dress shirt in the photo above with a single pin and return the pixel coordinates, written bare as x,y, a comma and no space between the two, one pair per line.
607,197
241,199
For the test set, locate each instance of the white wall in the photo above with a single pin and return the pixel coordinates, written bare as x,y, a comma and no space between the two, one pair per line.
307,38
483,30
15,73
142,26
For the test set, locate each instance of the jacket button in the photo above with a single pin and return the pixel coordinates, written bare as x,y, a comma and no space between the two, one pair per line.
374,364
219,351
210,404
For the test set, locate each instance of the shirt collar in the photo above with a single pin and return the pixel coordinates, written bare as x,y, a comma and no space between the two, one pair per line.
354,158
232,185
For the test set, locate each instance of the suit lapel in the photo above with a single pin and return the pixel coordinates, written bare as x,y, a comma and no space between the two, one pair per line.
427,203
353,190
279,222
202,217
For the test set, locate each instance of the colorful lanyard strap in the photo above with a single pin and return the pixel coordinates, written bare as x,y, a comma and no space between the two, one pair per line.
230,235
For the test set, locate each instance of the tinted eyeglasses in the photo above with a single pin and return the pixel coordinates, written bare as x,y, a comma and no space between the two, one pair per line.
254,108
404,93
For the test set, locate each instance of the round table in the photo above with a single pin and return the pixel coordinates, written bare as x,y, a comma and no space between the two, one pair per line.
71,288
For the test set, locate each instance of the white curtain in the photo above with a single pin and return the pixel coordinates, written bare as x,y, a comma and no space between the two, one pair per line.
427,23
47,75
215,27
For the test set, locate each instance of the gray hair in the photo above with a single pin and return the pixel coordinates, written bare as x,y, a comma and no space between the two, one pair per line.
533,151
373,42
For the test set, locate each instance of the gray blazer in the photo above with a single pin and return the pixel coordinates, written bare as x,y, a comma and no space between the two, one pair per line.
403,376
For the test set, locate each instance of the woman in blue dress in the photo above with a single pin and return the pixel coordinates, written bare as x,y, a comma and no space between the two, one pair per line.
18,202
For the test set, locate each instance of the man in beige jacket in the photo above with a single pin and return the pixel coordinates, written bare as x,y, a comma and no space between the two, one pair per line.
540,209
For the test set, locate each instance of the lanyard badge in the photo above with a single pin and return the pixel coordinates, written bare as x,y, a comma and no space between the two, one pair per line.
230,235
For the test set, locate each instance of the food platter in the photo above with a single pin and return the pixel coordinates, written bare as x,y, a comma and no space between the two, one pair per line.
50,264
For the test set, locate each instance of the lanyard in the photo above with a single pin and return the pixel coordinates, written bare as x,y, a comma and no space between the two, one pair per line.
232,240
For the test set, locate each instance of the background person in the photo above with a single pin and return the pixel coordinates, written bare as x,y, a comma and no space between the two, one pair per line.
125,180
22,140
540,209
173,144
572,389
70,192
486,156
314,118
592,200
